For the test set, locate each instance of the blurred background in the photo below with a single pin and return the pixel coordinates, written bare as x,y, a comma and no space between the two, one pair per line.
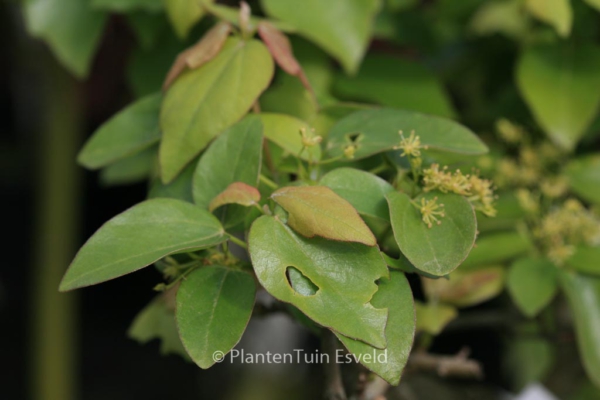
75,345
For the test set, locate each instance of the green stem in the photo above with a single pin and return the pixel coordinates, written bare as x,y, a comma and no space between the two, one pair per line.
239,242
268,182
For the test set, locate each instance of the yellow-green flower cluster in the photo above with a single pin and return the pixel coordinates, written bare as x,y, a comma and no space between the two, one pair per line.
566,227
430,211
411,148
477,190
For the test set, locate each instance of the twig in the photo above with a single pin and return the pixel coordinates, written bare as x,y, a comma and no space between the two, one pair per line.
334,387
459,365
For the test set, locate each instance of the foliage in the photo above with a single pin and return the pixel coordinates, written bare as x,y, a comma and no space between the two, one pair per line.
336,200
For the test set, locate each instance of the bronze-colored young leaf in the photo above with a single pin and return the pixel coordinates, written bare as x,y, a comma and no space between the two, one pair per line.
343,273
281,50
317,210
200,53
236,193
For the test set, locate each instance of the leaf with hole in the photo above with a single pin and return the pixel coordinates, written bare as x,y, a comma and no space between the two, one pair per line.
317,210
202,103
395,295
140,236
343,273
214,305
440,249
376,131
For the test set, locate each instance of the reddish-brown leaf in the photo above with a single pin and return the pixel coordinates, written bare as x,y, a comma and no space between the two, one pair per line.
281,50
318,210
236,193
200,53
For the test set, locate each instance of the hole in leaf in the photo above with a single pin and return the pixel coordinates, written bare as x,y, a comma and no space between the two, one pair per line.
354,137
300,282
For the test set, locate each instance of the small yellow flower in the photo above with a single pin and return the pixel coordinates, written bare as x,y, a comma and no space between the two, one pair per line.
528,203
430,211
309,139
509,132
349,151
410,146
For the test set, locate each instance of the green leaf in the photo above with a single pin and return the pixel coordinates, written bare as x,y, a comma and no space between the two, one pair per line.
432,318
583,295
377,131
528,359
133,129
184,14
466,288
71,28
567,107
317,210
214,305
593,3
394,82
235,156
157,321
147,27
504,16
284,131
440,249
395,295
140,236
586,260
496,248
532,283
125,6
557,13
344,273
204,102
584,177
180,188
288,96
346,39
130,170
366,192
236,193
